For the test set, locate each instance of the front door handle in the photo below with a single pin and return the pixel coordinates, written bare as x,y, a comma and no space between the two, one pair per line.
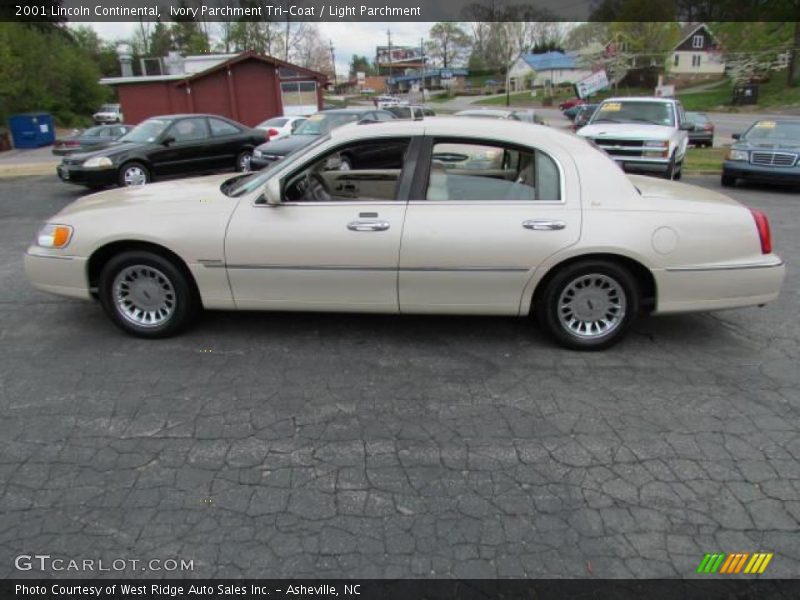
544,225
368,225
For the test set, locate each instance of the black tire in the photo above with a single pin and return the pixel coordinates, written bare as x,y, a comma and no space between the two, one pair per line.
546,307
727,180
183,300
678,171
671,168
243,161
129,168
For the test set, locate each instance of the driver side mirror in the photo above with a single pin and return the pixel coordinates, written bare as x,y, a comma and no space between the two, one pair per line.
737,136
271,195
168,140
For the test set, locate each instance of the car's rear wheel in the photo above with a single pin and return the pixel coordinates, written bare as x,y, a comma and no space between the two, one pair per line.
728,180
588,305
243,161
133,174
146,294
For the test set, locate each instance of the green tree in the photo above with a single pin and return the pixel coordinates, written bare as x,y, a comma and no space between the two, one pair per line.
160,40
361,64
448,44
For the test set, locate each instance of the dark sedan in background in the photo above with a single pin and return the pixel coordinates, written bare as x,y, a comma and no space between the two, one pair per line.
583,115
702,134
166,146
89,139
316,125
768,152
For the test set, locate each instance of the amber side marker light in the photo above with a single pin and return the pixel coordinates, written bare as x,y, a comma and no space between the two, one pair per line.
54,236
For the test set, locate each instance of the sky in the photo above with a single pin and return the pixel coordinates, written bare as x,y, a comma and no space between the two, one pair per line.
348,38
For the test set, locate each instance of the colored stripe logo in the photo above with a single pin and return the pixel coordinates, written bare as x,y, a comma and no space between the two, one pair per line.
732,564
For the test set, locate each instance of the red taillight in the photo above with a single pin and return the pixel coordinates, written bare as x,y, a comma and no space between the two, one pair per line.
764,234
271,132
709,127
72,143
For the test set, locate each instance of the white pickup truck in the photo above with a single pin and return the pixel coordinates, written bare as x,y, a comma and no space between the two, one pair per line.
643,134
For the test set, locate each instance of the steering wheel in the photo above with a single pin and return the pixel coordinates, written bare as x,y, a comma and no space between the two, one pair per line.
317,187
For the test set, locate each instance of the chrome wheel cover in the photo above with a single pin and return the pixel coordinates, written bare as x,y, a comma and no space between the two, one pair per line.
144,296
592,306
134,176
244,162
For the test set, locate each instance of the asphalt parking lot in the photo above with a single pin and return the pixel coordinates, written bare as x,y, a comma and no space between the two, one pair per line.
304,445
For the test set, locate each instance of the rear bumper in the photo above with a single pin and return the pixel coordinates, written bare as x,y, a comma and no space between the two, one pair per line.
57,274
744,170
717,287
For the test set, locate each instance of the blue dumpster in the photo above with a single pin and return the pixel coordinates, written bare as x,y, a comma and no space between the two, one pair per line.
32,130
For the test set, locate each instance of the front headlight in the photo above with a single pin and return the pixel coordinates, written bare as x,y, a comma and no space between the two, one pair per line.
54,236
99,162
737,155
656,144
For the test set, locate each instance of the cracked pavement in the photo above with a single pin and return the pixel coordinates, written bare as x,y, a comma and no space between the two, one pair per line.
314,445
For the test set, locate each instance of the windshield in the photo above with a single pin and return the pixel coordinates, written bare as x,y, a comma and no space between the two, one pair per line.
774,131
109,108
247,184
146,132
653,113
321,123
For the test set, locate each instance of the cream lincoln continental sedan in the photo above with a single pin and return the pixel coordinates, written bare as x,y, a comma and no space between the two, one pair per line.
446,215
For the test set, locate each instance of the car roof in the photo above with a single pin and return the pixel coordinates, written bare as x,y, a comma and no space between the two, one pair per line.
484,111
187,115
350,110
514,132
640,99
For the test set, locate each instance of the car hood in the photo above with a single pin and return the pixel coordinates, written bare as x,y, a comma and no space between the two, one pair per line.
655,189
636,131
286,145
110,149
170,196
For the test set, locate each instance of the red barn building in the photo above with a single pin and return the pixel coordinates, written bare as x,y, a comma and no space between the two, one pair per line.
247,87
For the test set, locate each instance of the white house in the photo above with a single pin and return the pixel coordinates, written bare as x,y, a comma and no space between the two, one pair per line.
544,70
697,53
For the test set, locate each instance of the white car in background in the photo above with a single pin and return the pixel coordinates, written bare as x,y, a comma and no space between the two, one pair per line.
278,128
643,134
440,216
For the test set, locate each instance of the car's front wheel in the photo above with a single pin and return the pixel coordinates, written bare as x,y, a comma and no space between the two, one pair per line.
588,305
133,173
146,294
243,161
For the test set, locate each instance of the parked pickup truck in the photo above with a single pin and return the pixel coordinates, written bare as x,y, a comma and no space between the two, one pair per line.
642,134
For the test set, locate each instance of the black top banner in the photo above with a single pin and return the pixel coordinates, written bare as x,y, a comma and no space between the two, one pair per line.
401,10
404,589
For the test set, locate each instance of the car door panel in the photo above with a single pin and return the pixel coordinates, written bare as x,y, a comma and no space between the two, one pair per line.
312,257
335,252
478,256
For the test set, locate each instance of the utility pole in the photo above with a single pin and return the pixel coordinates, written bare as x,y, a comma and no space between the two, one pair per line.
333,64
389,38
422,51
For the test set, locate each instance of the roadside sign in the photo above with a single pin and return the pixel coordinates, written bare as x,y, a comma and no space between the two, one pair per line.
445,74
592,84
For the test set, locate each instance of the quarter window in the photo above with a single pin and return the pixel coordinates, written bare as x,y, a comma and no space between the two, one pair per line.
220,128
475,171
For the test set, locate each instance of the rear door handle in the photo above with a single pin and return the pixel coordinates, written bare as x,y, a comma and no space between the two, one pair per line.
543,225
368,225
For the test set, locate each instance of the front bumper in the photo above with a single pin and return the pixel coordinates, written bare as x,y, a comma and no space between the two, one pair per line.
56,273
642,166
82,176
744,170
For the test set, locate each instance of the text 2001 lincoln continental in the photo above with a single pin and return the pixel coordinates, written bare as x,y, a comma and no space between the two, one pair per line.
438,216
